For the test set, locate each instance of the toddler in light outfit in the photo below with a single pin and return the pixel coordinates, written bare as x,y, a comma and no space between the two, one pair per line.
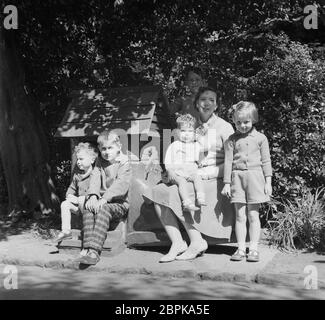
181,162
247,177
75,196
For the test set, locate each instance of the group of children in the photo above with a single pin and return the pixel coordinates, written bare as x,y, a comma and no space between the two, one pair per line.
99,188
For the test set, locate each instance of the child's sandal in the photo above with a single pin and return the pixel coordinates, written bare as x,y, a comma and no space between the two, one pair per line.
239,255
253,256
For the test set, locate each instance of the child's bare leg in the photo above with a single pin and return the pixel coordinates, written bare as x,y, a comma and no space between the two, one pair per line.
240,227
199,189
182,187
81,204
254,225
81,201
66,208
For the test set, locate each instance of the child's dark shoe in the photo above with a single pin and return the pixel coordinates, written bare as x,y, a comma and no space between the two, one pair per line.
253,256
91,258
239,255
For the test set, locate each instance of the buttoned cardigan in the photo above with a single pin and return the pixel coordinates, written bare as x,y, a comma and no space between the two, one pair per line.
248,151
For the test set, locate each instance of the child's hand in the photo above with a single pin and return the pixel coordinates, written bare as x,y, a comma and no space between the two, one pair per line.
268,188
98,204
171,175
204,163
226,190
91,203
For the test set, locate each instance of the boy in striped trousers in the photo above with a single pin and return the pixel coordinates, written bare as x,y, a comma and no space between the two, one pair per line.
107,196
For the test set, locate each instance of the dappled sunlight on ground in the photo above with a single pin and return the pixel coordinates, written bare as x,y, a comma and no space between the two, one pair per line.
38,283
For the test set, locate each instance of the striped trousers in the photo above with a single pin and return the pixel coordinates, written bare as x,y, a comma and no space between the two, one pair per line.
95,226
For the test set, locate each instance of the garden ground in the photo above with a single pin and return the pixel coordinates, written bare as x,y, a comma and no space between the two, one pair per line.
300,270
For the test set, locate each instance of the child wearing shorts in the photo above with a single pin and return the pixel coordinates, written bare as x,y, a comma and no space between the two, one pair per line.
247,177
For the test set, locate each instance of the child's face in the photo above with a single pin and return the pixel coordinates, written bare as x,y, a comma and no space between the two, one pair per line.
194,81
186,134
243,122
207,104
109,150
84,160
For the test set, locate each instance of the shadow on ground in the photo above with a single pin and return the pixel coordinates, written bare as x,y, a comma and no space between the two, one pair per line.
217,249
8,228
36,283
41,225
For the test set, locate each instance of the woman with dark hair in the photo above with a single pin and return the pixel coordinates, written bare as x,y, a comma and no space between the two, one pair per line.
217,218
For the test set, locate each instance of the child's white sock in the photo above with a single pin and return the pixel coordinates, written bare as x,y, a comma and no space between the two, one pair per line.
242,246
253,245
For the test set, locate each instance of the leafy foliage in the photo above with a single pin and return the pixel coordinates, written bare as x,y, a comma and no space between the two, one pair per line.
290,91
300,223
260,46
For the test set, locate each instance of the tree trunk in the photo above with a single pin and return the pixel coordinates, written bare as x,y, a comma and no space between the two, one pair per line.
23,147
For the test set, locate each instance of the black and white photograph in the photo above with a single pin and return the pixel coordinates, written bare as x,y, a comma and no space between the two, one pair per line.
162,155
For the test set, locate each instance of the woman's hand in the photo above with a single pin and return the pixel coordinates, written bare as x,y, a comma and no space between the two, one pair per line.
226,190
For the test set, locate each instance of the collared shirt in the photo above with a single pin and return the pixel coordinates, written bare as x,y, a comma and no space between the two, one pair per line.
212,136
79,184
248,151
111,181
